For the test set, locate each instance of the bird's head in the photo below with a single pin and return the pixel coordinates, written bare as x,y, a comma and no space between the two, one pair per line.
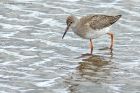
70,21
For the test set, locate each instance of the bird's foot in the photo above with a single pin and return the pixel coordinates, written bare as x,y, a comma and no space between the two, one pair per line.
111,50
87,54
105,48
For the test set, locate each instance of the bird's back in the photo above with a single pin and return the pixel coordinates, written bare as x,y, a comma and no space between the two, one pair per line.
98,21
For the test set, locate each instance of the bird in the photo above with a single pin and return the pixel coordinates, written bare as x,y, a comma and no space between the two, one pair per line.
92,26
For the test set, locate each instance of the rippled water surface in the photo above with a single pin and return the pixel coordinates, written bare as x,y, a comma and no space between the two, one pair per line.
34,58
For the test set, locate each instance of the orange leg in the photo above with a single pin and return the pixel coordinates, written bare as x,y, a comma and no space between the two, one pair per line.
112,39
91,46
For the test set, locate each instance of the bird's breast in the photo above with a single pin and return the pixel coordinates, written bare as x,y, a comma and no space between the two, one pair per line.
80,32
89,33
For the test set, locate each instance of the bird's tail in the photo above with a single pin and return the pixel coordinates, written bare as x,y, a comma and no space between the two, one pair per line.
118,17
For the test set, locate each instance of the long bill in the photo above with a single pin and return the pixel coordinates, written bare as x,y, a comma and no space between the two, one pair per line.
67,28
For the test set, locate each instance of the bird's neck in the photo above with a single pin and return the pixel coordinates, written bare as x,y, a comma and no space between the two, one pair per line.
76,20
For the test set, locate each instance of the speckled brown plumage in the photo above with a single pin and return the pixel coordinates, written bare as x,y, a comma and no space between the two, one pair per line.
99,21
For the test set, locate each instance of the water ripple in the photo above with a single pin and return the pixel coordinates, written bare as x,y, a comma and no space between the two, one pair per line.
35,59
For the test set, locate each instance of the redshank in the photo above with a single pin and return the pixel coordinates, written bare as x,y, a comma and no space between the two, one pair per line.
91,27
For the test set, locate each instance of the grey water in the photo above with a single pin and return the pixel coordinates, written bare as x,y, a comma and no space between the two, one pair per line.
35,59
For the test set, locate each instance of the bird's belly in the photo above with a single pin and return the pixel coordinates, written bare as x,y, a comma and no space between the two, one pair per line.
92,34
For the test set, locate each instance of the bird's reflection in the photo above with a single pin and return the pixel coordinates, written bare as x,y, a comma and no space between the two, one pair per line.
92,69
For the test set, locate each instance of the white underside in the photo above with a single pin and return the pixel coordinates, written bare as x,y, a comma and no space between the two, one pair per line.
92,34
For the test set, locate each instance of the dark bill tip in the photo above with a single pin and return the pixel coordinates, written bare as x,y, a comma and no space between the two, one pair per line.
67,28
64,34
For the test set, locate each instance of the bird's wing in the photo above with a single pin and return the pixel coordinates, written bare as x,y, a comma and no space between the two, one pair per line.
99,21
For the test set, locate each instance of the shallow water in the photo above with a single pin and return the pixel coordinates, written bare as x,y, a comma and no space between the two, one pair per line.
34,58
